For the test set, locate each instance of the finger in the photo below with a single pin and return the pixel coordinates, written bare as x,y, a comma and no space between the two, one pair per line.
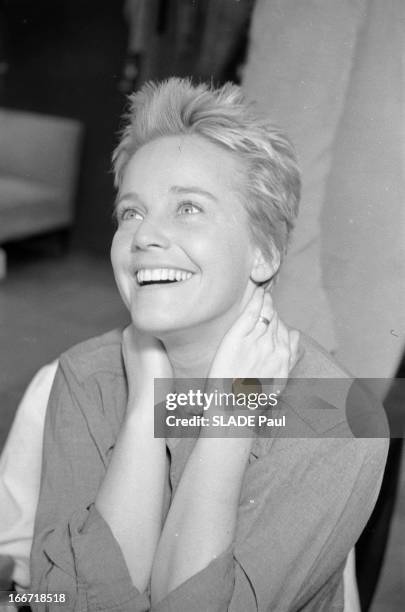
286,348
247,296
265,317
272,332
128,348
248,318
128,336
277,334
283,336
294,338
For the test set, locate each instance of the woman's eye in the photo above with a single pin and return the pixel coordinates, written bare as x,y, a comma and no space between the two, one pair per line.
188,209
128,214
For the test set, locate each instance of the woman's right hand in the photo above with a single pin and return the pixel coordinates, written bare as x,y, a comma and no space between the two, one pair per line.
145,359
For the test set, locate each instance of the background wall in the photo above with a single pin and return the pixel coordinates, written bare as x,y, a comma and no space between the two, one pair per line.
64,58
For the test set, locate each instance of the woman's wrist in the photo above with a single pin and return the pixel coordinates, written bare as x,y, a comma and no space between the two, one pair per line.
140,415
150,392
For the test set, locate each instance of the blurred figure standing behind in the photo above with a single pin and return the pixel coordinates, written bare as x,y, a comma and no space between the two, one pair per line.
332,74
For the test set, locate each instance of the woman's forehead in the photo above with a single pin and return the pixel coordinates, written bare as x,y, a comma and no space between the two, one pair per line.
184,162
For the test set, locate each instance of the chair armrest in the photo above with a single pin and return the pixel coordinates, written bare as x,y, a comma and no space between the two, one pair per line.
40,148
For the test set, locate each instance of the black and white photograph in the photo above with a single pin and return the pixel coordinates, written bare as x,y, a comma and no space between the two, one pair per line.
202,305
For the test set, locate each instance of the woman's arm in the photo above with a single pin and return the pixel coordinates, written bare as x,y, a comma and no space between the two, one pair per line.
76,550
130,498
304,502
202,519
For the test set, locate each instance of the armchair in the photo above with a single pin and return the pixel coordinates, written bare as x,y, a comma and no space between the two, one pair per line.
39,162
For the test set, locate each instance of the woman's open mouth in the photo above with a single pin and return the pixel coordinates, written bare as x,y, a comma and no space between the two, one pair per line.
161,276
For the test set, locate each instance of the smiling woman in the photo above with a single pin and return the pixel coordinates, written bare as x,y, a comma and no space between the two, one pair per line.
207,196
186,217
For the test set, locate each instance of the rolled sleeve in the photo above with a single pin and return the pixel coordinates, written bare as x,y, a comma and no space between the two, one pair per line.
88,566
209,590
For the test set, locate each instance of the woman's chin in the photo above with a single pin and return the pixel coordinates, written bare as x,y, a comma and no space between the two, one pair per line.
157,326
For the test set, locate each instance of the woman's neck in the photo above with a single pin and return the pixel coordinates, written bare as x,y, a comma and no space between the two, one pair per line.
191,352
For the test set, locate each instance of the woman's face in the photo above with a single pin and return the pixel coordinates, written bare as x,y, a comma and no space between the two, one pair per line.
182,254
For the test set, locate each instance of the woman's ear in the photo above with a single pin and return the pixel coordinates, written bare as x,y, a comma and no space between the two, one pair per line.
264,269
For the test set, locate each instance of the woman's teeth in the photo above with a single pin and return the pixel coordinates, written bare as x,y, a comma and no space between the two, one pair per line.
161,275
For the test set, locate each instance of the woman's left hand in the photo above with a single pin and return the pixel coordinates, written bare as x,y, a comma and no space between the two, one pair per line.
145,359
253,348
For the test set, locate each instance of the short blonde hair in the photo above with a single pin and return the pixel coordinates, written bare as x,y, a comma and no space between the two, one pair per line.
222,116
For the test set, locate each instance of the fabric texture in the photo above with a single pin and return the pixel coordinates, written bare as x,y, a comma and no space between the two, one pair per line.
303,503
332,75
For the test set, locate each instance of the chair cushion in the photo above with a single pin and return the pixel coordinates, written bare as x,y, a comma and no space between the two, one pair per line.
28,207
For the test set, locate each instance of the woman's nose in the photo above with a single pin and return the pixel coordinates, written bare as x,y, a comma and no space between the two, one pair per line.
150,234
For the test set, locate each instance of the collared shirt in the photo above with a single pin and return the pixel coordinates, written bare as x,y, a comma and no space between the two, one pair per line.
303,504
20,474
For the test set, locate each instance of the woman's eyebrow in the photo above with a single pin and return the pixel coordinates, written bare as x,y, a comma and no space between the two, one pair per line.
193,189
132,196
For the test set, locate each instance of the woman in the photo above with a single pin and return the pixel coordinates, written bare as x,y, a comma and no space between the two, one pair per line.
207,196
